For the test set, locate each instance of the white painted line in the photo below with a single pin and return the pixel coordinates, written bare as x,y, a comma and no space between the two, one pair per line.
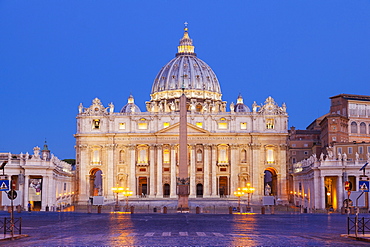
183,233
201,234
166,234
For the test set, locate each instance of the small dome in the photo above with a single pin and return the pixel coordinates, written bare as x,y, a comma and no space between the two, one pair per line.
240,107
130,107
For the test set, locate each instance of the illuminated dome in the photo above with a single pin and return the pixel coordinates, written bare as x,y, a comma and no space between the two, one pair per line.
240,107
186,71
130,107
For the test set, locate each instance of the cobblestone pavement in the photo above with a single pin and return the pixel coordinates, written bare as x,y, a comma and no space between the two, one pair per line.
114,229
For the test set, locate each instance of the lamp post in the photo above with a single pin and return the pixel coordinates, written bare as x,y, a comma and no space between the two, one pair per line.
117,190
127,193
249,190
239,193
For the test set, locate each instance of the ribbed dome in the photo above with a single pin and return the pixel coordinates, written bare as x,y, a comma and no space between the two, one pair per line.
240,106
187,72
130,107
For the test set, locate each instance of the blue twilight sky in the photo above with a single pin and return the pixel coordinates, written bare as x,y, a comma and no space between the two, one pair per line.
56,54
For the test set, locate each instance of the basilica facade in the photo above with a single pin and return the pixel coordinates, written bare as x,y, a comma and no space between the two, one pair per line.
228,145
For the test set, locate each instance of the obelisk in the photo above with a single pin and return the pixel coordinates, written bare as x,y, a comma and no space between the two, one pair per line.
183,177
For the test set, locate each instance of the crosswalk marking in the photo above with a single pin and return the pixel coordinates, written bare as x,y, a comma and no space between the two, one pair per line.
201,234
218,234
183,233
166,234
149,234
132,234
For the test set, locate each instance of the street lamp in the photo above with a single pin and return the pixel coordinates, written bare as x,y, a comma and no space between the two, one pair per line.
117,190
127,193
249,190
239,193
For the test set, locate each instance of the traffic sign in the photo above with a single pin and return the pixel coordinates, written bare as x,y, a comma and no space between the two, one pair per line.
364,186
12,194
4,185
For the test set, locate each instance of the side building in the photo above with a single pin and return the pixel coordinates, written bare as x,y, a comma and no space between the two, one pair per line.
40,179
344,149
227,148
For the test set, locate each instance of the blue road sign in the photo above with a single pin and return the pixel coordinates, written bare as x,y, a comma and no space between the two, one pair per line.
4,185
364,186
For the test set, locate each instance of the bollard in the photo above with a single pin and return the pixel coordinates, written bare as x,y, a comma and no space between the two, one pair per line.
230,210
263,210
165,210
132,208
47,208
272,209
99,209
89,209
197,210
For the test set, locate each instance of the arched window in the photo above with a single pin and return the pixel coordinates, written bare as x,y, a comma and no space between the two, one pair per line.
166,156
270,156
222,154
362,128
244,155
122,156
199,155
353,127
96,156
142,157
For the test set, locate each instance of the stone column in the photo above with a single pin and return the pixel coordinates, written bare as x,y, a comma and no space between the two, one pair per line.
152,191
173,172
257,172
233,168
111,168
159,171
322,192
26,185
282,185
214,192
340,194
45,194
317,195
192,172
206,188
84,163
132,176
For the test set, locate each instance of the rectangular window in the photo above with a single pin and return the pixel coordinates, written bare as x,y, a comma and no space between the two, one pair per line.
142,126
305,145
349,150
270,156
294,160
166,169
143,169
360,150
368,149
199,124
199,169
122,126
334,138
223,169
222,126
243,126
339,150
294,145
166,124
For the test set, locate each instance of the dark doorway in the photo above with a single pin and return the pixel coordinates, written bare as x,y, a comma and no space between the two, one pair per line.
270,183
166,190
199,190
143,186
96,182
223,186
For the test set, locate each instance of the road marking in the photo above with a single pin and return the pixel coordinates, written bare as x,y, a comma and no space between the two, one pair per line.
132,234
183,233
201,234
166,234
149,234
217,234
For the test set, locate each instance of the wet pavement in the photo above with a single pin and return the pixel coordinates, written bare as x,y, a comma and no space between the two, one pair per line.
116,229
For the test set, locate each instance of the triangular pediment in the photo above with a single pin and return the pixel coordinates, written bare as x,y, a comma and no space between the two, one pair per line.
175,129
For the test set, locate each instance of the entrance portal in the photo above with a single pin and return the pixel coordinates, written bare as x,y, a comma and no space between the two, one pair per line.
199,190
270,182
96,184
166,190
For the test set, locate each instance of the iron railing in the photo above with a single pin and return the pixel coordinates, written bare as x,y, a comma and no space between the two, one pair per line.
362,226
